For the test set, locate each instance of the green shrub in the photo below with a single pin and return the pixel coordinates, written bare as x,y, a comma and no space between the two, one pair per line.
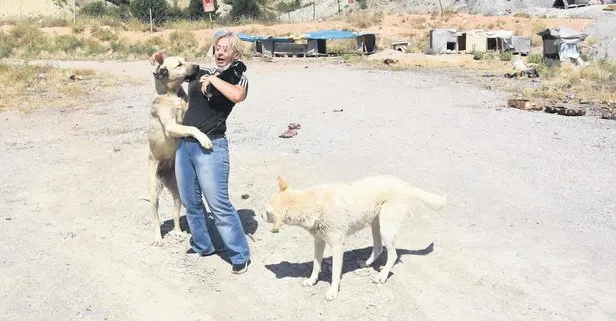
506,56
141,10
535,58
29,39
94,9
6,45
68,43
245,9
182,42
104,33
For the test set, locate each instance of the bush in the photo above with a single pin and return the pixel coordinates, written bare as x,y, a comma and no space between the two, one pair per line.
6,45
68,43
93,9
141,10
288,7
104,33
535,58
245,9
478,55
28,38
506,56
182,42
101,9
521,15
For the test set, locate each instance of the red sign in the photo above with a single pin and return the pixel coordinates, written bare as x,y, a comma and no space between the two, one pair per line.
351,1
208,5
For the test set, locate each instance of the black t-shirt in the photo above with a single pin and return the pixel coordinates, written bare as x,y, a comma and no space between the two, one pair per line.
209,118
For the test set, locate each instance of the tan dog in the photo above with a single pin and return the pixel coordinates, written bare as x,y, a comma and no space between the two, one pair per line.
166,114
330,212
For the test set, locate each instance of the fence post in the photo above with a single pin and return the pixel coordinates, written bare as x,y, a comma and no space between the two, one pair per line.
74,13
314,11
151,25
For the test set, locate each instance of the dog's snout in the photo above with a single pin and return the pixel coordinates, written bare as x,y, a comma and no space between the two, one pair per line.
161,73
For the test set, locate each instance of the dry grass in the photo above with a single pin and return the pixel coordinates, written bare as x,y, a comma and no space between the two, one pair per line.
364,19
594,83
187,25
342,46
26,87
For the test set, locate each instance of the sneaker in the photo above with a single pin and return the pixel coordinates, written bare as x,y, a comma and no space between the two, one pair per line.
192,251
240,268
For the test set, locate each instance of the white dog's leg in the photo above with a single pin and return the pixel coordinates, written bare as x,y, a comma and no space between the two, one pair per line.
319,248
177,130
154,188
172,185
377,247
390,218
337,258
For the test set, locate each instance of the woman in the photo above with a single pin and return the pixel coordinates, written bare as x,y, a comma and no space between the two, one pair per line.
199,170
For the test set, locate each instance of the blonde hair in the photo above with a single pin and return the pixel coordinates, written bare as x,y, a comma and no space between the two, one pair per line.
234,44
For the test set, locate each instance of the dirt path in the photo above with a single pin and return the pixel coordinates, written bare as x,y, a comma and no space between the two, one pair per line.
529,233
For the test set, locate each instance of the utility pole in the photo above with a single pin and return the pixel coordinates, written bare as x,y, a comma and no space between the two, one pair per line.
339,7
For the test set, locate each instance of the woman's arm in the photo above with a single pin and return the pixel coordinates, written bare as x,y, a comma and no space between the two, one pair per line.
234,93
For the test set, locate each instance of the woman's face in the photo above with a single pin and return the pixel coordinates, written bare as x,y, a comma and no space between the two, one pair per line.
224,52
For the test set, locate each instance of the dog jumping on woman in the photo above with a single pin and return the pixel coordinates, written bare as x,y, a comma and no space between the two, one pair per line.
166,114
331,212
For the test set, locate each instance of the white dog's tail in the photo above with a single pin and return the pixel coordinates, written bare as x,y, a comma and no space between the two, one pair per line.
436,202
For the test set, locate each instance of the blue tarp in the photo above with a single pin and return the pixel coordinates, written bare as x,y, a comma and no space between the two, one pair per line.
321,34
249,38
333,34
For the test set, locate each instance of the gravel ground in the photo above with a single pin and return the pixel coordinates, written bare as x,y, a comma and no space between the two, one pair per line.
529,232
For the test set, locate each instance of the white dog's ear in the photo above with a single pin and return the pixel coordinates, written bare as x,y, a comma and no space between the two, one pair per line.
282,184
158,57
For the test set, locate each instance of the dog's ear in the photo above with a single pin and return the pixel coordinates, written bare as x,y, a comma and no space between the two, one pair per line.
158,57
282,184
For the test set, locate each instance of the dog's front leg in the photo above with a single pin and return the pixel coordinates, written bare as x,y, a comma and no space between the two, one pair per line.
176,130
337,256
319,248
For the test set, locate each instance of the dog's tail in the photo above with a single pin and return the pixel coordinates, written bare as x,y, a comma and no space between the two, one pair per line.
435,201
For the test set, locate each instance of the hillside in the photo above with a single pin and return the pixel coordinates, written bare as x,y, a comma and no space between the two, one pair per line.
488,13
324,8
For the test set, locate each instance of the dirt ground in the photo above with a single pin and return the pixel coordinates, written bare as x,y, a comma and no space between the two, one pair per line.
529,232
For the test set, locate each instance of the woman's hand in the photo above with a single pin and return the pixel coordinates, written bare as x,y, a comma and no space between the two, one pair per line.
205,81
234,93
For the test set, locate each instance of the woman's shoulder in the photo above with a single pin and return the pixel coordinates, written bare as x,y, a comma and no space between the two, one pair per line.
206,71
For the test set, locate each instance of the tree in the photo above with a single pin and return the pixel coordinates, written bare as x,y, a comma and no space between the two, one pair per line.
141,10
194,11
245,9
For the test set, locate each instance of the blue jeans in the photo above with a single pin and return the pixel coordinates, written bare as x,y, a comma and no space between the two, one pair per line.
198,169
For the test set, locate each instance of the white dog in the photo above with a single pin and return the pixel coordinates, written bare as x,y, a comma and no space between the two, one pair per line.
330,212
166,114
